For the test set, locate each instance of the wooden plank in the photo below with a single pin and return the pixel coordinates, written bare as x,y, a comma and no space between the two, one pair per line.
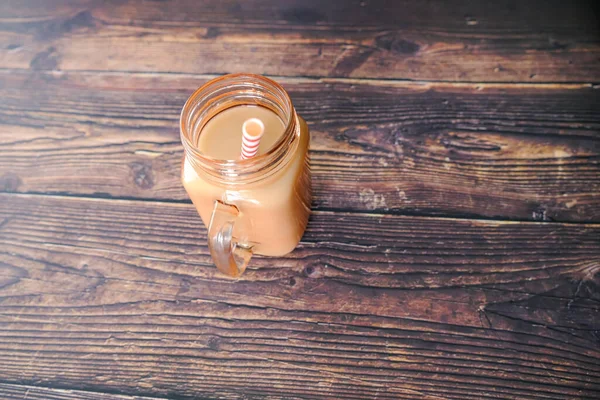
496,151
108,295
500,41
22,392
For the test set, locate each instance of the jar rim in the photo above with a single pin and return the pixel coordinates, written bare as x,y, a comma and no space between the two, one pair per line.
237,170
225,87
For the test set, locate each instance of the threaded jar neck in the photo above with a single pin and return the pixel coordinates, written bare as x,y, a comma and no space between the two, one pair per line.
221,94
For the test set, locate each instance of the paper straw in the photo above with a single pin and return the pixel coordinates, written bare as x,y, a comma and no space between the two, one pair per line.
252,131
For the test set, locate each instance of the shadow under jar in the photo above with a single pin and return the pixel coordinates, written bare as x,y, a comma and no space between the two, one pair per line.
258,205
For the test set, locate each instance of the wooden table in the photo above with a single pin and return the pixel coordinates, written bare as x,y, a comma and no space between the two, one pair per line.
454,247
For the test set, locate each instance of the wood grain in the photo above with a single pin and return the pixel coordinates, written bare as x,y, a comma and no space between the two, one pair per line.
499,41
433,125
120,296
22,392
528,152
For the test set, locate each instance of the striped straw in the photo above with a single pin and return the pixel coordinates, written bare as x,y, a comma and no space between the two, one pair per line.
252,132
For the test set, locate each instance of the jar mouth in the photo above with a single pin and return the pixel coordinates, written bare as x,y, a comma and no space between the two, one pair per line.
229,91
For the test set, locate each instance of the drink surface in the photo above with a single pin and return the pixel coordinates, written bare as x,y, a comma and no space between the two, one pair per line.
274,211
221,137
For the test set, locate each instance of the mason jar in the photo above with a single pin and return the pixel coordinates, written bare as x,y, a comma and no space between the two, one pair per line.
259,205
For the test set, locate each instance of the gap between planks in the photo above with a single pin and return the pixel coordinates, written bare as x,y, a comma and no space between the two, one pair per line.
323,79
322,211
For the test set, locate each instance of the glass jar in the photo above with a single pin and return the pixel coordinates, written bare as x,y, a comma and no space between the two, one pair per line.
258,205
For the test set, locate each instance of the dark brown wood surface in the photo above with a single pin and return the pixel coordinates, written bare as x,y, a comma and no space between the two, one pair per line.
454,247
23,392
392,308
427,149
499,41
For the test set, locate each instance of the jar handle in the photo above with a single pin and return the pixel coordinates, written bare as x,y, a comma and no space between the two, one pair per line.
230,257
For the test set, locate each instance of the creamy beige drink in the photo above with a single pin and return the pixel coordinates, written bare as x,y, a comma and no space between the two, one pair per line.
221,137
260,204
